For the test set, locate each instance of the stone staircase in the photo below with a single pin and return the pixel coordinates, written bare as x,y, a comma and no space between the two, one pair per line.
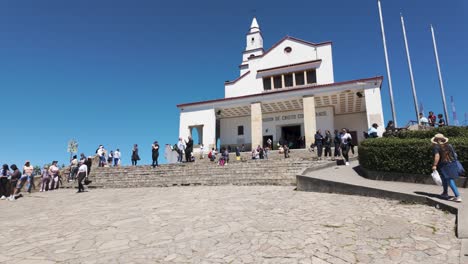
275,171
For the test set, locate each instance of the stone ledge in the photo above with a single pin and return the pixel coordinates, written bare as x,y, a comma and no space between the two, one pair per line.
405,177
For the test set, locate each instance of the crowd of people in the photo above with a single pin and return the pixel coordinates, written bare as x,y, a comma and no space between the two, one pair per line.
431,120
340,140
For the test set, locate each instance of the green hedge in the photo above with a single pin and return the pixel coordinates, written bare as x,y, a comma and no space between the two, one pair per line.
406,155
428,134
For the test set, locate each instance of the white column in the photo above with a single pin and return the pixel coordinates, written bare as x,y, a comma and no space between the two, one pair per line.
374,111
310,123
256,124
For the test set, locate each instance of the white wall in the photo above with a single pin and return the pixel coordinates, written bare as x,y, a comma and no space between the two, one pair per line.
301,52
229,125
354,122
205,117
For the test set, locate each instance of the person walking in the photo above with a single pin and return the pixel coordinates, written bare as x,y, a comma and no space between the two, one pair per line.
28,171
135,156
327,143
82,174
189,149
117,157
345,145
15,182
45,179
319,143
337,144
155,153
4,175
445,162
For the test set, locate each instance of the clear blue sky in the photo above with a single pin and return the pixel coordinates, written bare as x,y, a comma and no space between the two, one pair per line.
112,71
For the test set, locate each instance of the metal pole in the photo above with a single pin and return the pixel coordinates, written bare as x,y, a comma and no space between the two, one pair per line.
416,108
388,66
441,83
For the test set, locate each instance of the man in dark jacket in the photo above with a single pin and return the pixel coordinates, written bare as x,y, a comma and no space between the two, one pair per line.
319,143
189,149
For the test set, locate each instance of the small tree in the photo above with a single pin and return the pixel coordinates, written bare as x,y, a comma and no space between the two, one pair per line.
72,147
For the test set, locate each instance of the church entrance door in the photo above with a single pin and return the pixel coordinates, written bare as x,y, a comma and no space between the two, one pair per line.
291,136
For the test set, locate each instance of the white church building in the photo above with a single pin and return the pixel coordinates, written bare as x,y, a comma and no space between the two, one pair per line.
284,93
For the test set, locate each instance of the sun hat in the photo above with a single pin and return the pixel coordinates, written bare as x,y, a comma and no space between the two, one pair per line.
439,137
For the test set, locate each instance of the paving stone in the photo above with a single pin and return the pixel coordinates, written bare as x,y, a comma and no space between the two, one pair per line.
223,224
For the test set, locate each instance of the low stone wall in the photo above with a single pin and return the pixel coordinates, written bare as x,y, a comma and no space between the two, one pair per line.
404,177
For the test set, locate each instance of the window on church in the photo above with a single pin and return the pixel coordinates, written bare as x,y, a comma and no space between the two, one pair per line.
277,83
299,78
288,80
311,77
267,83
240,130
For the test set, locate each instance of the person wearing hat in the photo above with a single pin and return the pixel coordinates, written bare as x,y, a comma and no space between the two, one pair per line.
155,153
445,163
82,174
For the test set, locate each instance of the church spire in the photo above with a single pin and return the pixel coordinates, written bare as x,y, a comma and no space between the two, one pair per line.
254,27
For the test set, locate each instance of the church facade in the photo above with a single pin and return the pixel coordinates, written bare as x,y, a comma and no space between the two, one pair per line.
285,94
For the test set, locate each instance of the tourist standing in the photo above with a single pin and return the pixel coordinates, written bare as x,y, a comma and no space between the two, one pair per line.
180,149
135,156
337,144
242,148
117,158
423,120
102,155
431,119
4,175
441,120
82,174
189,149
202,151
155,153
286,151
45,179
345,145
73,169
319,143
110,158
54,176
28,171
445,162
327,143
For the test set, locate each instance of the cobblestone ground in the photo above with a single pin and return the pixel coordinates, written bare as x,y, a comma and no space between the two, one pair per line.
221,225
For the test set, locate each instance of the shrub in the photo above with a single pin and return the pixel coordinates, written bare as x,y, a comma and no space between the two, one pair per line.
406,155
450,131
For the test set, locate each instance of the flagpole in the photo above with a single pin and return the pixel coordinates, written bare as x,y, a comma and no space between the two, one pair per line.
410,67
441,83
388,66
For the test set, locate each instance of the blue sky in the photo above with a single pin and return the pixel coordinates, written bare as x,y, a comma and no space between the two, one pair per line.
111,71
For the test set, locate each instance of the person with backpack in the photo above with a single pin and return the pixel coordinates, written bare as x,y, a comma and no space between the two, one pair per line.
212,155
445,162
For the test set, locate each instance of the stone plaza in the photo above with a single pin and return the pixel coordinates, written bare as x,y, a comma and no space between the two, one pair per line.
222,224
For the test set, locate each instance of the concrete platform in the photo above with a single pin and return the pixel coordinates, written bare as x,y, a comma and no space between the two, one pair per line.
346,180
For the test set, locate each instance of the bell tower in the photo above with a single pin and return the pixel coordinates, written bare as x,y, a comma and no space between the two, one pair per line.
254,41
